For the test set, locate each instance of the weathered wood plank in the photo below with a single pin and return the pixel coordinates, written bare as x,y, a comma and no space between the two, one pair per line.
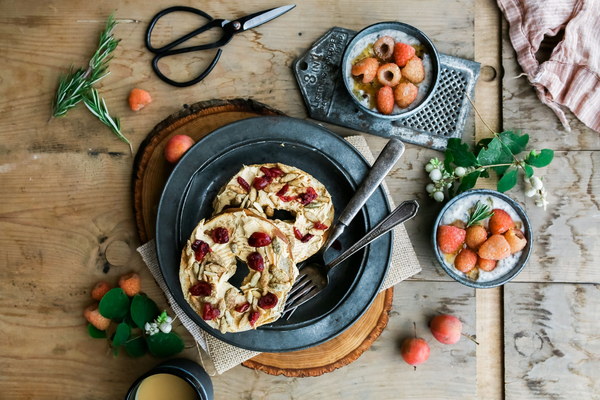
551,341
380,373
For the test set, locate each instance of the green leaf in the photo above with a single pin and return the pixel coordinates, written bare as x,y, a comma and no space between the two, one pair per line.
95,332
164,344
136,347
448,160
501,170
528,171
540,160
143,309
461,154
516,143
121,334
482,144
508,180
468,181
114,304
495,153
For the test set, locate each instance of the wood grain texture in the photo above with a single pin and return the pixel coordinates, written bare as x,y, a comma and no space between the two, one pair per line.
552,344
380,372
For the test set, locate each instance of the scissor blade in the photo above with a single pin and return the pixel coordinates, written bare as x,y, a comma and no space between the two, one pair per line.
259,18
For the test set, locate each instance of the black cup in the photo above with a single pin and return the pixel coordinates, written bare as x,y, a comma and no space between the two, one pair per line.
183,368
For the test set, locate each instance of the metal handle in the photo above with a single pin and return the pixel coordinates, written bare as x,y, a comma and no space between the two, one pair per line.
402,213
390,154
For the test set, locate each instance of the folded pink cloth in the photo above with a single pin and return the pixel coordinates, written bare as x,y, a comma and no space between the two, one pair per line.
571,77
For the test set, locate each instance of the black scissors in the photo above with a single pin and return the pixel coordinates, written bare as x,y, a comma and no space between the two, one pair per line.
229,28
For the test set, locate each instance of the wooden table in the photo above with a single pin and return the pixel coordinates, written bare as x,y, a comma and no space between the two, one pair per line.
66,217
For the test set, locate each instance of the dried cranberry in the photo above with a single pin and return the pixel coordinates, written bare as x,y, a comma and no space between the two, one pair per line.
201,288
269,300
298,234
287,199
210,313
320,226
220,235
242,307
271,172
256,261
283,190
253,317
261,182
308,197
201,249
259,239
307,237
243,183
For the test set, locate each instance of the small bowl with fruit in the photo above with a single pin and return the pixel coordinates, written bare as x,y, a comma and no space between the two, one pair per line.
482,238
390,69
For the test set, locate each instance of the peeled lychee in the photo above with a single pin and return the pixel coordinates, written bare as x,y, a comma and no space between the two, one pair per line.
446,329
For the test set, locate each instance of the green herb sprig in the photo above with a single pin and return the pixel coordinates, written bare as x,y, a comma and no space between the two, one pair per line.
97,106
480,212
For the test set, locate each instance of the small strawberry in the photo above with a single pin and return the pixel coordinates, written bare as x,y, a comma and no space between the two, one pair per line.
500,222
402,53
486,265
476,235
515,239
414,70
367,68
130,283
100,290
93,316
450,238
385,100
495,248
465,260
405,93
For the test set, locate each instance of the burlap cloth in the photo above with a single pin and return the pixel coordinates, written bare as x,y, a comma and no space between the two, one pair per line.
224,356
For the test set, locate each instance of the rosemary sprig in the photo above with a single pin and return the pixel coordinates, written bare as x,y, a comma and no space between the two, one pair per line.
481,212
97,106
73,86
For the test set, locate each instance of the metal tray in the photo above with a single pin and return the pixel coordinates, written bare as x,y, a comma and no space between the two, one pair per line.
443,117
206,167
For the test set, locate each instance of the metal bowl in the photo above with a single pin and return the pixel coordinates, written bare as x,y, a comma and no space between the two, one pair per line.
403,32
510,273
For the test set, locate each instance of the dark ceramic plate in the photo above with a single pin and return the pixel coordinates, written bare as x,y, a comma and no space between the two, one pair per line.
206,167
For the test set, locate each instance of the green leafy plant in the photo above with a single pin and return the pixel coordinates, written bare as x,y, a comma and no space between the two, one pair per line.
138,326
77,85
503,154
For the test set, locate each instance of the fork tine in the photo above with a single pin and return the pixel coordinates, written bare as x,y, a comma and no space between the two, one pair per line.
302,298
299,284
298,295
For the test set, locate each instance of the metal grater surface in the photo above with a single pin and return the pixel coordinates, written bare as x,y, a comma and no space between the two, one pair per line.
443,117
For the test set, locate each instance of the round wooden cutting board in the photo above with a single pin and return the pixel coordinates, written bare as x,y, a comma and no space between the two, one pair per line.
150,173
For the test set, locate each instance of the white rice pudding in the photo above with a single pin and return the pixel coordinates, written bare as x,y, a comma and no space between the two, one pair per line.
461,211
398,36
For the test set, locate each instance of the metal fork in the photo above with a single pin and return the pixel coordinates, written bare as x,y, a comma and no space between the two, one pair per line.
314,275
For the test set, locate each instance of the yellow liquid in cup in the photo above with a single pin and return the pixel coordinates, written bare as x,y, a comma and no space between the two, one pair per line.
165,387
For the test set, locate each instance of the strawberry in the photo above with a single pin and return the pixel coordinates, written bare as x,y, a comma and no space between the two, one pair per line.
414,70
385,100
465,260
367,68
486,265
93,316
515,239
130,283
500,222
100,290
495,248
476,235
405,93
450,238
402,53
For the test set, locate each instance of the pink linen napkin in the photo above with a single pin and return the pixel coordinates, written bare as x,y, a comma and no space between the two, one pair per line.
571,77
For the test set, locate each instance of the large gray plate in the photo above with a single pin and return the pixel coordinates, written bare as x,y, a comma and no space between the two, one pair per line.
206,167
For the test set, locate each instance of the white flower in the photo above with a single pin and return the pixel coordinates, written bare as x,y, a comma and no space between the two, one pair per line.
536,182
430,188
438,196
435,175
161,323
165,327
460,171
429,167
151,328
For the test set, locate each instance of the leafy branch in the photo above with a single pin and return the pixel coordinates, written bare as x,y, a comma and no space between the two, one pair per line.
97,106
462,167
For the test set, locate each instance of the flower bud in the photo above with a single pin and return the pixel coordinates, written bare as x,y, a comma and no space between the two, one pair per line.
435,175
429,167
430,188
165,327
460,171
438,196
536,182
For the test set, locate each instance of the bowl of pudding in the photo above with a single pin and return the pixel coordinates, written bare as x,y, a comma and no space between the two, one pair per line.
390,69
482,238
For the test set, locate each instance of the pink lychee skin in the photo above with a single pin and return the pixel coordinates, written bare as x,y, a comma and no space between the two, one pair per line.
414,351
446,329
177,146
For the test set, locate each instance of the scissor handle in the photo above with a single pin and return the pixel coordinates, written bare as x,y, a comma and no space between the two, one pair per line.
166,51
